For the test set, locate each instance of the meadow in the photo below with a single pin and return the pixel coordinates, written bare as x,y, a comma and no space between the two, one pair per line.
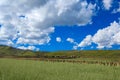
12,69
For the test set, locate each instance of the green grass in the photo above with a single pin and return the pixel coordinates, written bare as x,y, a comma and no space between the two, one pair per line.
11,69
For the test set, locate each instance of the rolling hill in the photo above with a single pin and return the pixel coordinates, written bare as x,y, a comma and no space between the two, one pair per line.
10,51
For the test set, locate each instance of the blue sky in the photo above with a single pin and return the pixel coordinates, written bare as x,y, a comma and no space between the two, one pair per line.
54,25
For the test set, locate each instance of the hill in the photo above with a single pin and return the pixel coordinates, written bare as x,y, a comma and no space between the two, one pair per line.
13,52
10,51
87,53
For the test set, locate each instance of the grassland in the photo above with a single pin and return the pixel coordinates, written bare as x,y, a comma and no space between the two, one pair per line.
60,65
11,69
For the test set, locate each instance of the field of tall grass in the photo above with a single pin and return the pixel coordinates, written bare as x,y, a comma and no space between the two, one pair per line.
11,69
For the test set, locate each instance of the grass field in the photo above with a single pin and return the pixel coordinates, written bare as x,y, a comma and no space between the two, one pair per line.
11,69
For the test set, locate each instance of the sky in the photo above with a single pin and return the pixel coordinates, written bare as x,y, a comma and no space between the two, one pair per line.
55,25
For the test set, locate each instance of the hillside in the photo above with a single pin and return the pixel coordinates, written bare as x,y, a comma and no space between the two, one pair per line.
10,51
87,53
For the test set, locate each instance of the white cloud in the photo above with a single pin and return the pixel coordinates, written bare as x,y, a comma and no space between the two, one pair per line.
6,42
86,42
28,48
75,47
75,44
71,40
58,39
32,21
106,37
117,10
116,38
107,4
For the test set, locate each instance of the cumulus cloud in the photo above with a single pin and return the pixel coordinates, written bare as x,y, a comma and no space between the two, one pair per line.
86,42
104,38
58,39
107,4
32,21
